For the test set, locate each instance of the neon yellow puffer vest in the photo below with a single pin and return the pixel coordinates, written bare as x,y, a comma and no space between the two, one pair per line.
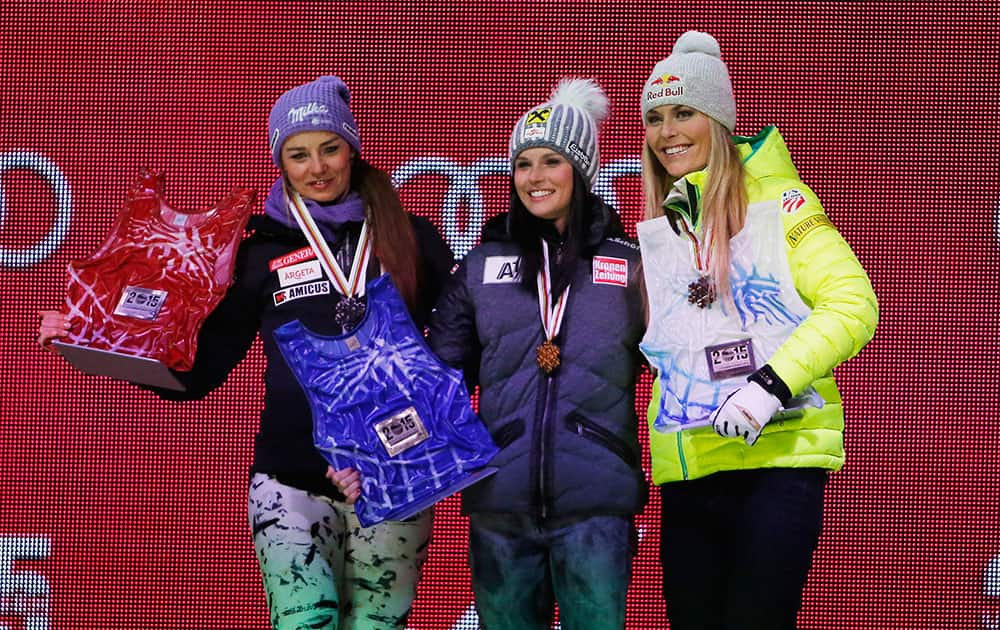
844,312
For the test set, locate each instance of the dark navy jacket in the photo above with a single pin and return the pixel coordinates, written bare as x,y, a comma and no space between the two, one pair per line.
568,441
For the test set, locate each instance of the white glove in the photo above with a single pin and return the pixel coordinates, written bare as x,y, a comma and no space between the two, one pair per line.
745,412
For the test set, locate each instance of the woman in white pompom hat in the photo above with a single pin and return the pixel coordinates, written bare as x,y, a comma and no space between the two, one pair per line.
753,298
546,316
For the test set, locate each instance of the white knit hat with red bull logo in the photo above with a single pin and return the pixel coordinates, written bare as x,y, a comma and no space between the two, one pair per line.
567,123
693,75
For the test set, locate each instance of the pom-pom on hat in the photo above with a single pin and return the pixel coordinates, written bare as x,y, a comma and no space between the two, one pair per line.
568,123
320,105
693,75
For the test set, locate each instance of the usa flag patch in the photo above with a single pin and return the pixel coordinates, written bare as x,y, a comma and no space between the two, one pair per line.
792,200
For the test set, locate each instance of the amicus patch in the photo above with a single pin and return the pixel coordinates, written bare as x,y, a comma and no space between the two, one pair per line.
300,291
610,270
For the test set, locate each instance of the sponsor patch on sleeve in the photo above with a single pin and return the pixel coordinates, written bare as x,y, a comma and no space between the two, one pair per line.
502,269
609,270
792,200
799,231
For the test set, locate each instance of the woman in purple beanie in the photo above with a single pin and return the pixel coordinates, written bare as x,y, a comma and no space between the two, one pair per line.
320,567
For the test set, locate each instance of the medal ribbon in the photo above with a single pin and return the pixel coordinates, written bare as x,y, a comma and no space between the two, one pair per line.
680,200
347,286
552,315
702,267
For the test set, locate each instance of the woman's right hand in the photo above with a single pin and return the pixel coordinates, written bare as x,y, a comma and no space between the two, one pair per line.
54,324
347,480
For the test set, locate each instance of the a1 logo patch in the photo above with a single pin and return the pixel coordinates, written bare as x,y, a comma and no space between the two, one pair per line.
609,270
502,270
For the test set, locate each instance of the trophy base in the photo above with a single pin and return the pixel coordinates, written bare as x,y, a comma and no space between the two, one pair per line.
406,511
117,365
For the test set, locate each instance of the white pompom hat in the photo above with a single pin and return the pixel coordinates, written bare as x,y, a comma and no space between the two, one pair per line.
568,123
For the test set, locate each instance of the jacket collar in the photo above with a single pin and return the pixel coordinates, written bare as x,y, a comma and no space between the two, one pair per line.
764,155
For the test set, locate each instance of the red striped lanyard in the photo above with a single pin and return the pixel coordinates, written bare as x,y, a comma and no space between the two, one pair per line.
552,315
347,286
702,267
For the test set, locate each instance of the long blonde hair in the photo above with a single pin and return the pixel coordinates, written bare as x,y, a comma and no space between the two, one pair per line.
723,204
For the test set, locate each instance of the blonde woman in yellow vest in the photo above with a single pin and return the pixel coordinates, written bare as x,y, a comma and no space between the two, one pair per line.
753,299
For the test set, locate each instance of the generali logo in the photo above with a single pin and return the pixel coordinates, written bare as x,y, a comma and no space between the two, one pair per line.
299,255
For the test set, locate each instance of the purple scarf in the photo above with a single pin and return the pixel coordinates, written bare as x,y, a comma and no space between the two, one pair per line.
329,217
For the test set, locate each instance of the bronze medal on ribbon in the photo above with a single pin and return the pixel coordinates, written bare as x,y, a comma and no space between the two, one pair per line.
701,292
547,356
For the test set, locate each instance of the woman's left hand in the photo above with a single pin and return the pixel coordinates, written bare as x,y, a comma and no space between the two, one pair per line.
745,412
54,325
347,480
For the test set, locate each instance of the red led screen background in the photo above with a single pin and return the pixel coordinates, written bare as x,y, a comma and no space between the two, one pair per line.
118,510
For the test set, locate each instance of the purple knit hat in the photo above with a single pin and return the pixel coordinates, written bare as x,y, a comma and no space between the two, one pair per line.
317,106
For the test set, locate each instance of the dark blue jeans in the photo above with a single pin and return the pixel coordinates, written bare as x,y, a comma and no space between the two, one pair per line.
521,565
737,546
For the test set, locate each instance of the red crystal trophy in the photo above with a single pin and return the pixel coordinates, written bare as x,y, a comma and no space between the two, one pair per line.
138,302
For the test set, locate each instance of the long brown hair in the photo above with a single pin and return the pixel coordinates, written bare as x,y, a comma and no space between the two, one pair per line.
393,237
723,204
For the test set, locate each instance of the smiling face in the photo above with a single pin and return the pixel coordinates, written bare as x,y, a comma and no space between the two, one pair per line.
317,164
543,179
679,137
